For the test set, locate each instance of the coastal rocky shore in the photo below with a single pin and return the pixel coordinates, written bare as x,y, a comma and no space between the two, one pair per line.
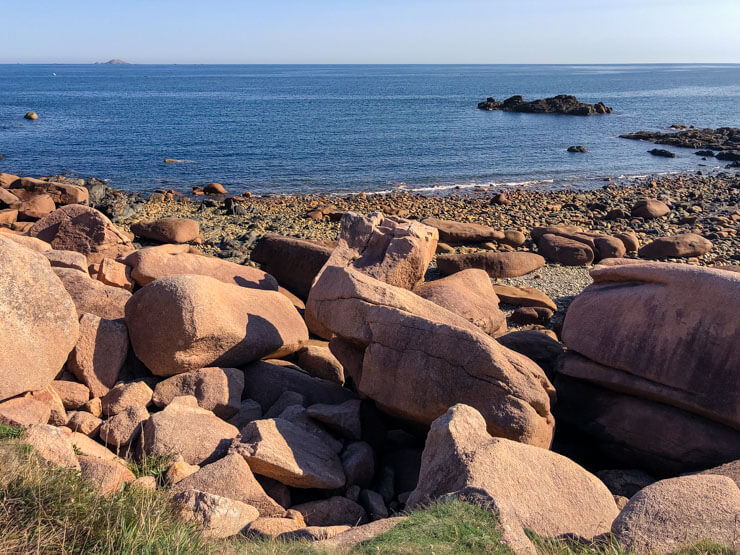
566,358
561,104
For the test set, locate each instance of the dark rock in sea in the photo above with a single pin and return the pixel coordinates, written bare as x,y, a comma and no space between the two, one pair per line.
2,156
679,126
707,153
732,155
724,138
577,148
561,104
31,115
662,152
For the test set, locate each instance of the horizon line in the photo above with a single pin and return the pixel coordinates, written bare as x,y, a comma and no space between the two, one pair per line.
373,63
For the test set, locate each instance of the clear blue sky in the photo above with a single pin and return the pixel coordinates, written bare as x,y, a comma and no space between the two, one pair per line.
370,31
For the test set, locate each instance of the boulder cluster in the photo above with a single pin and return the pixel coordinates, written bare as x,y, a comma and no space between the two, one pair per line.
334,387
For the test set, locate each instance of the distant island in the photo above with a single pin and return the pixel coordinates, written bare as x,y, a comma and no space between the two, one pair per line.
113,62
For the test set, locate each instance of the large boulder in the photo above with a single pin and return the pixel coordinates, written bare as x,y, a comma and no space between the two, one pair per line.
468,294
281,450
100,353
83,229
457,233
527,486
389,249
154,263
495,264
231,477
38,321
672,515
451,360
51,445
93,297
167,230
188,322
61,193
649,209
664,334
216,389
294,262
205,437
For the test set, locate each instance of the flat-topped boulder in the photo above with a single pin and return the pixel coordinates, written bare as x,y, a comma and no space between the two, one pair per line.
684,245
154,263
376,323
281,450
495,264
664,335
457,233
188,322
168,230
61,193
83,229
561,104
38,321
469,294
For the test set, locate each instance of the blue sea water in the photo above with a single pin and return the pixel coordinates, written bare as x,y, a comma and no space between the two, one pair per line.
298,129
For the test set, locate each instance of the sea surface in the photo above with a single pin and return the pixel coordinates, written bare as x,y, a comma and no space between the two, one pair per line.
299,129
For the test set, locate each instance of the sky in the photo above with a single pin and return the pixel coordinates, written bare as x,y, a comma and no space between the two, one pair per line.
370,31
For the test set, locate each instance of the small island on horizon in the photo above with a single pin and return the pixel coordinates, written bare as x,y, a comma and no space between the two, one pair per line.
114,62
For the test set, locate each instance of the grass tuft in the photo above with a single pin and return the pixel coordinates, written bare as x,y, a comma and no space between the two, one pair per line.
10,432
450,527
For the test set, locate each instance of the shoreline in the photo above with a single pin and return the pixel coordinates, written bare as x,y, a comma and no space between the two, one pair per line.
703,204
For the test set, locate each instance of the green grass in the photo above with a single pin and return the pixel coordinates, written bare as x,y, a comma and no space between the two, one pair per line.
450,527
45,509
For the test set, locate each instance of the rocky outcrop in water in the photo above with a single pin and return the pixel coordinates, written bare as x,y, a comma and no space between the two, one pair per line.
723,139
561,104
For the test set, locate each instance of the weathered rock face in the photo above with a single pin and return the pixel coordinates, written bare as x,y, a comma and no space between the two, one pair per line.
154,263
61,193
83,229
281,450
216,389
468,294
99,354
38,321
561,104
661,344
24,411
219,517
168,230
389,249
183,323
457,233
105,476
205,438
319,361
293,262
530,487
683,245
495,264
231,477
379,322
678,513
93,297
334,511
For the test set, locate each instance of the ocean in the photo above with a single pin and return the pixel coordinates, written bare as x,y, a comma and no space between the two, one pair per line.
300,129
